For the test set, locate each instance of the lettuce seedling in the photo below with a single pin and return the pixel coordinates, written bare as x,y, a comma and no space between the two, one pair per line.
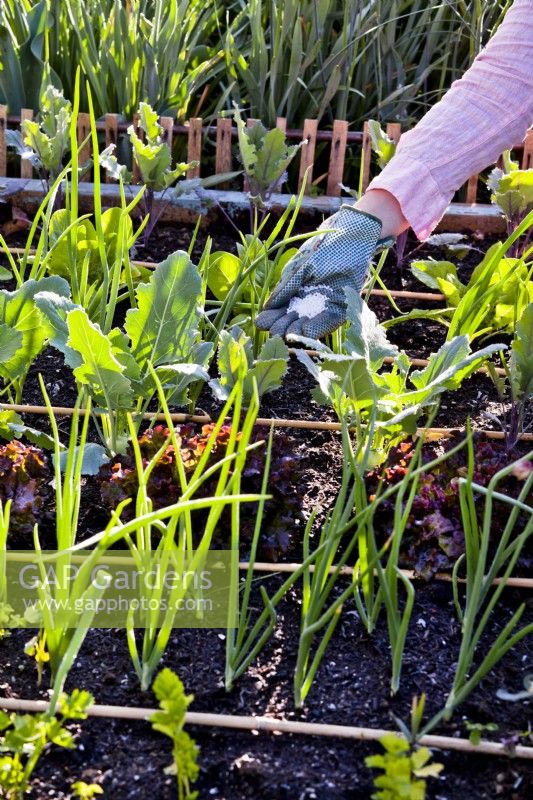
24,738
170,721
403,769
24,479
119,480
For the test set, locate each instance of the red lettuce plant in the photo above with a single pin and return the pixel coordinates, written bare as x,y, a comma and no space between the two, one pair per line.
24,477
433,537
118,481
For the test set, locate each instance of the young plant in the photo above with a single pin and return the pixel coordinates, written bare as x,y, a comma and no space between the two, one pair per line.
161,330
482,567
86,791
358,387
266,371
265,157
153,158
512,191
25,738
170,721
403,769
477,729
182,541
45,141
24,331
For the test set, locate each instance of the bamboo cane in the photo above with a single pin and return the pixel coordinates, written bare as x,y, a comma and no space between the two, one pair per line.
430,434
271,725
268,567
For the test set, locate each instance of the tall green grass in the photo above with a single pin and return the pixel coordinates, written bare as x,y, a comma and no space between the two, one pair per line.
329,59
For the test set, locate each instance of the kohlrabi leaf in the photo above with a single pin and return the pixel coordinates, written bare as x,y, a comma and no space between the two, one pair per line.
55,308
365,337
269,369
449,367
10,341
93,457
18,311
164,326
440,276
100,370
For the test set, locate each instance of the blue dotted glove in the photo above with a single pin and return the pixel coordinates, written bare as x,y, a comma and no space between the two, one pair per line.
309,299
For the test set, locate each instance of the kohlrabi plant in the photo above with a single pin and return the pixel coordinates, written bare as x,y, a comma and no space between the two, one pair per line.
267,370
45,141
512,191
114,367
361,388
265,157
170,720
153,158
24,331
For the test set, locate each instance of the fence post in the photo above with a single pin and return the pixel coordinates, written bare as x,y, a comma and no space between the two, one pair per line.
337,157
308,154
194,146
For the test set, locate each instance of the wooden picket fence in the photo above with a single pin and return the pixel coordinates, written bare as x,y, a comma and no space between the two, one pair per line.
224,132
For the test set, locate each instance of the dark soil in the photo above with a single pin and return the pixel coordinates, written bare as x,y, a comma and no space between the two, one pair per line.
352,686
351,689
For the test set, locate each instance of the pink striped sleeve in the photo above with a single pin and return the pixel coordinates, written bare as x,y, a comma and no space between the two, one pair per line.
485,112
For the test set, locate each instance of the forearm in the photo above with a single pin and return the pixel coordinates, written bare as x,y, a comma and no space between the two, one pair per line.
485,112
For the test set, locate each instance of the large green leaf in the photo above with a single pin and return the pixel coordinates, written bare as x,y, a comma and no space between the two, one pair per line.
164,326
448,368
222,271
19,311
365,337
10,341
269,369
100,370
55,308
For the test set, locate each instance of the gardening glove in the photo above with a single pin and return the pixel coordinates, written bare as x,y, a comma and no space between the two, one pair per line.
309,299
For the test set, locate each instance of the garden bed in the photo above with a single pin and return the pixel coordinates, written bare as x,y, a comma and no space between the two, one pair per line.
352,685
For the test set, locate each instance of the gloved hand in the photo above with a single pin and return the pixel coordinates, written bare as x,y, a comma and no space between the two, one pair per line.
309,299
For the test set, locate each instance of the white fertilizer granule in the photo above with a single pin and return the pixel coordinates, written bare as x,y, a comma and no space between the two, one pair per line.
309,306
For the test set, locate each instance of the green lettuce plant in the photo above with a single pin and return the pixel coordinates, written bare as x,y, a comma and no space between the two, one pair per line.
512,191
170,721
